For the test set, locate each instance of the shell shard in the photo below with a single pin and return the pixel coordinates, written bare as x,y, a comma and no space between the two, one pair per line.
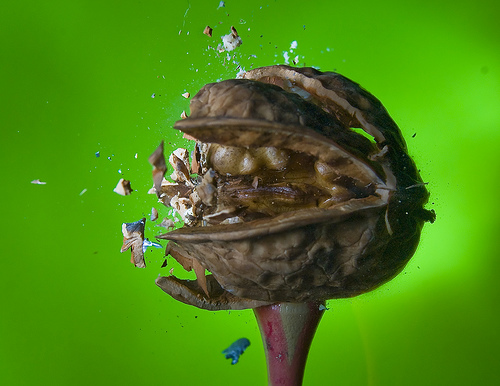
157,159
123,187
133,238
291,202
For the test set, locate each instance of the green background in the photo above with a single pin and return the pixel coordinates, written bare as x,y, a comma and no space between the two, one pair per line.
77,77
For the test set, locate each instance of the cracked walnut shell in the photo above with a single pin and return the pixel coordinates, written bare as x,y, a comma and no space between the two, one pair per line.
304,191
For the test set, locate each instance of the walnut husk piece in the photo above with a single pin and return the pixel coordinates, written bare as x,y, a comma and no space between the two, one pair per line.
302,207
133,239
157,159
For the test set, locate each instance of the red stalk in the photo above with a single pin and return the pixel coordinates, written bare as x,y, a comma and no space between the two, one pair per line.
287,330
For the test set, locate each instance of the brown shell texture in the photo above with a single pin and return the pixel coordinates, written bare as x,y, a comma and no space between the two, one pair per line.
303,191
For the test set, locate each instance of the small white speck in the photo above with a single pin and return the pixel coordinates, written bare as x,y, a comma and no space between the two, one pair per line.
240,73
286,57
38,182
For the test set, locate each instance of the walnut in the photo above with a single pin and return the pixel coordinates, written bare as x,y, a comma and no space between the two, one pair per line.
293,203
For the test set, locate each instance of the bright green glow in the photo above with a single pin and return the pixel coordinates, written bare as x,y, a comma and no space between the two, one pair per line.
77,77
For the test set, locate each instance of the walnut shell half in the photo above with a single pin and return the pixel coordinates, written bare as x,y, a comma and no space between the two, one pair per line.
292,203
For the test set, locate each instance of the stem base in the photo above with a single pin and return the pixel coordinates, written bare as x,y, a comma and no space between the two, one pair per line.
287,330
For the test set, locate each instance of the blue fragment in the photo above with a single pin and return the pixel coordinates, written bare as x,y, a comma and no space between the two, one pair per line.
236,349
146,243
97,154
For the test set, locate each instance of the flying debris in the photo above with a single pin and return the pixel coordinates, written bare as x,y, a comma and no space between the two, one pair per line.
236,349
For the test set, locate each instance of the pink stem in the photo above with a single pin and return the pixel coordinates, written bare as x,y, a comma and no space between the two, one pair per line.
287,330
